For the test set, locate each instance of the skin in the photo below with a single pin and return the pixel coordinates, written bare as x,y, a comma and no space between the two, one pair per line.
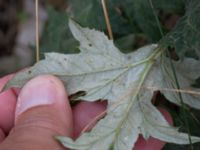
35,127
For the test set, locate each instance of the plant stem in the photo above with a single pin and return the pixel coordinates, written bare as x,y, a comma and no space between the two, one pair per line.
157,19
108,24
182,103
174,74
37,31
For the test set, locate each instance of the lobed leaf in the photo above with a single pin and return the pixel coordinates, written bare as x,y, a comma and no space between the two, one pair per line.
103,72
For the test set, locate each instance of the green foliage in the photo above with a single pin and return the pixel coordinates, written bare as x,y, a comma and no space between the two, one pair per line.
144,15
56,35
185,36
126,16
89,13
193,117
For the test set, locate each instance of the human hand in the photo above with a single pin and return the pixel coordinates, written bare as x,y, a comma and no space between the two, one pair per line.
29,119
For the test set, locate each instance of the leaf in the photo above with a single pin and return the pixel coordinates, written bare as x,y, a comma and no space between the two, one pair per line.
56,36
184,37
126,43
143,14
187,72
126,16
103,72
193,118
90,13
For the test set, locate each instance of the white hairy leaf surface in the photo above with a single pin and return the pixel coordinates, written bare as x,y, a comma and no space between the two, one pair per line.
126,81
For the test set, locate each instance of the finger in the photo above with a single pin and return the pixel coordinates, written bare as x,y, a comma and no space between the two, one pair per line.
84,113
7,108
4,80
42,112
152,143
16,91
2,135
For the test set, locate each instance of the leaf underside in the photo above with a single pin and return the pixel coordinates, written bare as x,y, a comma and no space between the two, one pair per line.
127,81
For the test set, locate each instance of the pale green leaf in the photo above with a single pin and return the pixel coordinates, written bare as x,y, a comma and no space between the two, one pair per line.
187,71
156,126
103,72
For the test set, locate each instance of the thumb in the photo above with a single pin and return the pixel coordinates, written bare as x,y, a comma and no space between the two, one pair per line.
42,112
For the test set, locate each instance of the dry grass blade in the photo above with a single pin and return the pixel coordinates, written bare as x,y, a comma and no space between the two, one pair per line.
93,121
174,90
110,33
37,31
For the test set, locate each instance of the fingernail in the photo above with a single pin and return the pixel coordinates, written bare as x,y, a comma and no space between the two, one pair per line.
42,90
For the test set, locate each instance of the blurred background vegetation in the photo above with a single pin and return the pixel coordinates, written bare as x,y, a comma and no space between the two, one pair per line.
174,24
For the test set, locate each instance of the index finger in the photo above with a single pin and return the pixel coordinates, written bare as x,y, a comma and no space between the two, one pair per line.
4,80
7,105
